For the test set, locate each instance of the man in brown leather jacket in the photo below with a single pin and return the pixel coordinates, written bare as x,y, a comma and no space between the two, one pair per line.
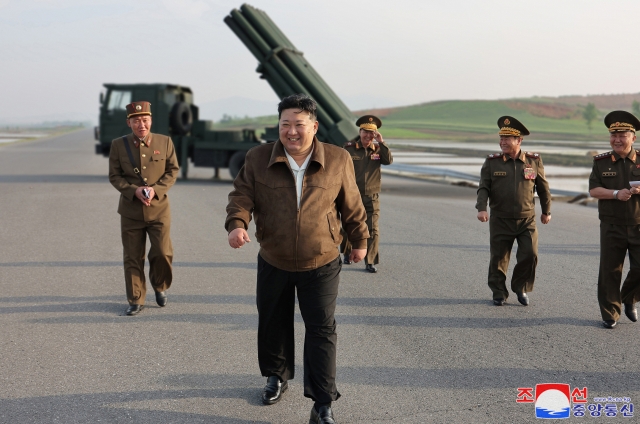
615,182
143,174
508,180
298,190
368,151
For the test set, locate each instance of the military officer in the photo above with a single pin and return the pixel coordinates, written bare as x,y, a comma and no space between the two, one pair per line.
368,151
614,180
143,167
508,180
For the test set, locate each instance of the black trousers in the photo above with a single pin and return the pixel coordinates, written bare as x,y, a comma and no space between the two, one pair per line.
317,294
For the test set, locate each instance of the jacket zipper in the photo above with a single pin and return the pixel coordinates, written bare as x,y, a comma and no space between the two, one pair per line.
295,180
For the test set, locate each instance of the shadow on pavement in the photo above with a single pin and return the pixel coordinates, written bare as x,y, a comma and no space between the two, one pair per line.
63,264
113,407
599,383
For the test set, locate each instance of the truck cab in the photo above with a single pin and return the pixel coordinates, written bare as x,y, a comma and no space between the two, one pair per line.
173,114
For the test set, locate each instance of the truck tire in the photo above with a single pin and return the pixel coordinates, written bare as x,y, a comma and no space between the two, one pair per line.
236,163
180,118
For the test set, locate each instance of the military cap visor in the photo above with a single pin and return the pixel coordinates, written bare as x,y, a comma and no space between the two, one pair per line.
369,122
138,108
510,126
620,121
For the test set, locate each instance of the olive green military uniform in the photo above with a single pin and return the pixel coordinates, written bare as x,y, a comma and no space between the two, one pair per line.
509,186
158,166
366,162
619,232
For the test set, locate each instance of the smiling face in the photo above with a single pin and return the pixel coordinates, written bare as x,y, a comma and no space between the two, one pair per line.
366,137
621,142
297,130
510,145
140,125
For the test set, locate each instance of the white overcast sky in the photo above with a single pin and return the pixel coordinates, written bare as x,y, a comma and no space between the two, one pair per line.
56,54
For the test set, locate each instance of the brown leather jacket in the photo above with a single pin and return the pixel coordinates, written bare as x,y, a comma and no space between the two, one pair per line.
291,238
158,165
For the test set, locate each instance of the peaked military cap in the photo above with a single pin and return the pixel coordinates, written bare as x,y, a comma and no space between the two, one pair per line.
510,126
620,120
369,122
138,108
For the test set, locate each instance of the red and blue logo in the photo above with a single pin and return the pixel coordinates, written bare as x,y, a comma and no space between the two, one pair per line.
553,401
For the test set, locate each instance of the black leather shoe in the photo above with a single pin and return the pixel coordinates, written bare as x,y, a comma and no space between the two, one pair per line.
273,391
523,298
161,299
323,416
499,302
631,312
134,309
609,323
371,268
346,260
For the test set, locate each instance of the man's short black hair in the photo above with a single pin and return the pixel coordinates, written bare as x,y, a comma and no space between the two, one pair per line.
301,102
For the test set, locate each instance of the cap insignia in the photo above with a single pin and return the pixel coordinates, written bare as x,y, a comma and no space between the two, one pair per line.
370,119
507,122
509,131
621,126
138,107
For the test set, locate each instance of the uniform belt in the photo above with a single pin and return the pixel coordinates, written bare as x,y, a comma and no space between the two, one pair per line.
133,162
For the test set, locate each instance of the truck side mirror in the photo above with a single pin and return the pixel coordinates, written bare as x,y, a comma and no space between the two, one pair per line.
101,98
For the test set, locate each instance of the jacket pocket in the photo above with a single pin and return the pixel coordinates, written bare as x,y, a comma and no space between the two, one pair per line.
334,228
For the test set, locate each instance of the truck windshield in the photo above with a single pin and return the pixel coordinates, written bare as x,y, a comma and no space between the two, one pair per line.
118,100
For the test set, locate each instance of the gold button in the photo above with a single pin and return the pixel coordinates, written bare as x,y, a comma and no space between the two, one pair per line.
144,167
144,156
145,179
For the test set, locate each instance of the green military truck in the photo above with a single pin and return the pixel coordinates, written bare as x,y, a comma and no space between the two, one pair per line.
281,64
174,114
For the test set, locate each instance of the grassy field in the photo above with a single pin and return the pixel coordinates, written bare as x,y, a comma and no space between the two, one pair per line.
477,119
557,118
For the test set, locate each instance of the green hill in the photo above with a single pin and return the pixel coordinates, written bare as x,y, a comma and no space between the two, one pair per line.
555,118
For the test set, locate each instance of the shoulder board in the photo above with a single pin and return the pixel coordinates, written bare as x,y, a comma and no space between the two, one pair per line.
602,156
532,155
494,156
348,144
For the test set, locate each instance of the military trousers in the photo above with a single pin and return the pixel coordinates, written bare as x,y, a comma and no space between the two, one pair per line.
134,237
615,242
372,207
317,293
502,233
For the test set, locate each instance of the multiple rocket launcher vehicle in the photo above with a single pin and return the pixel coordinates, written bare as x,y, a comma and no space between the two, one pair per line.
174,113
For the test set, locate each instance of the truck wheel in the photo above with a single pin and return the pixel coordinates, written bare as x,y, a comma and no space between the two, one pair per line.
180,118
236,163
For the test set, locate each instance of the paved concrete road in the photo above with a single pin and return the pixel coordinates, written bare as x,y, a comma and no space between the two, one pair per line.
418,342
